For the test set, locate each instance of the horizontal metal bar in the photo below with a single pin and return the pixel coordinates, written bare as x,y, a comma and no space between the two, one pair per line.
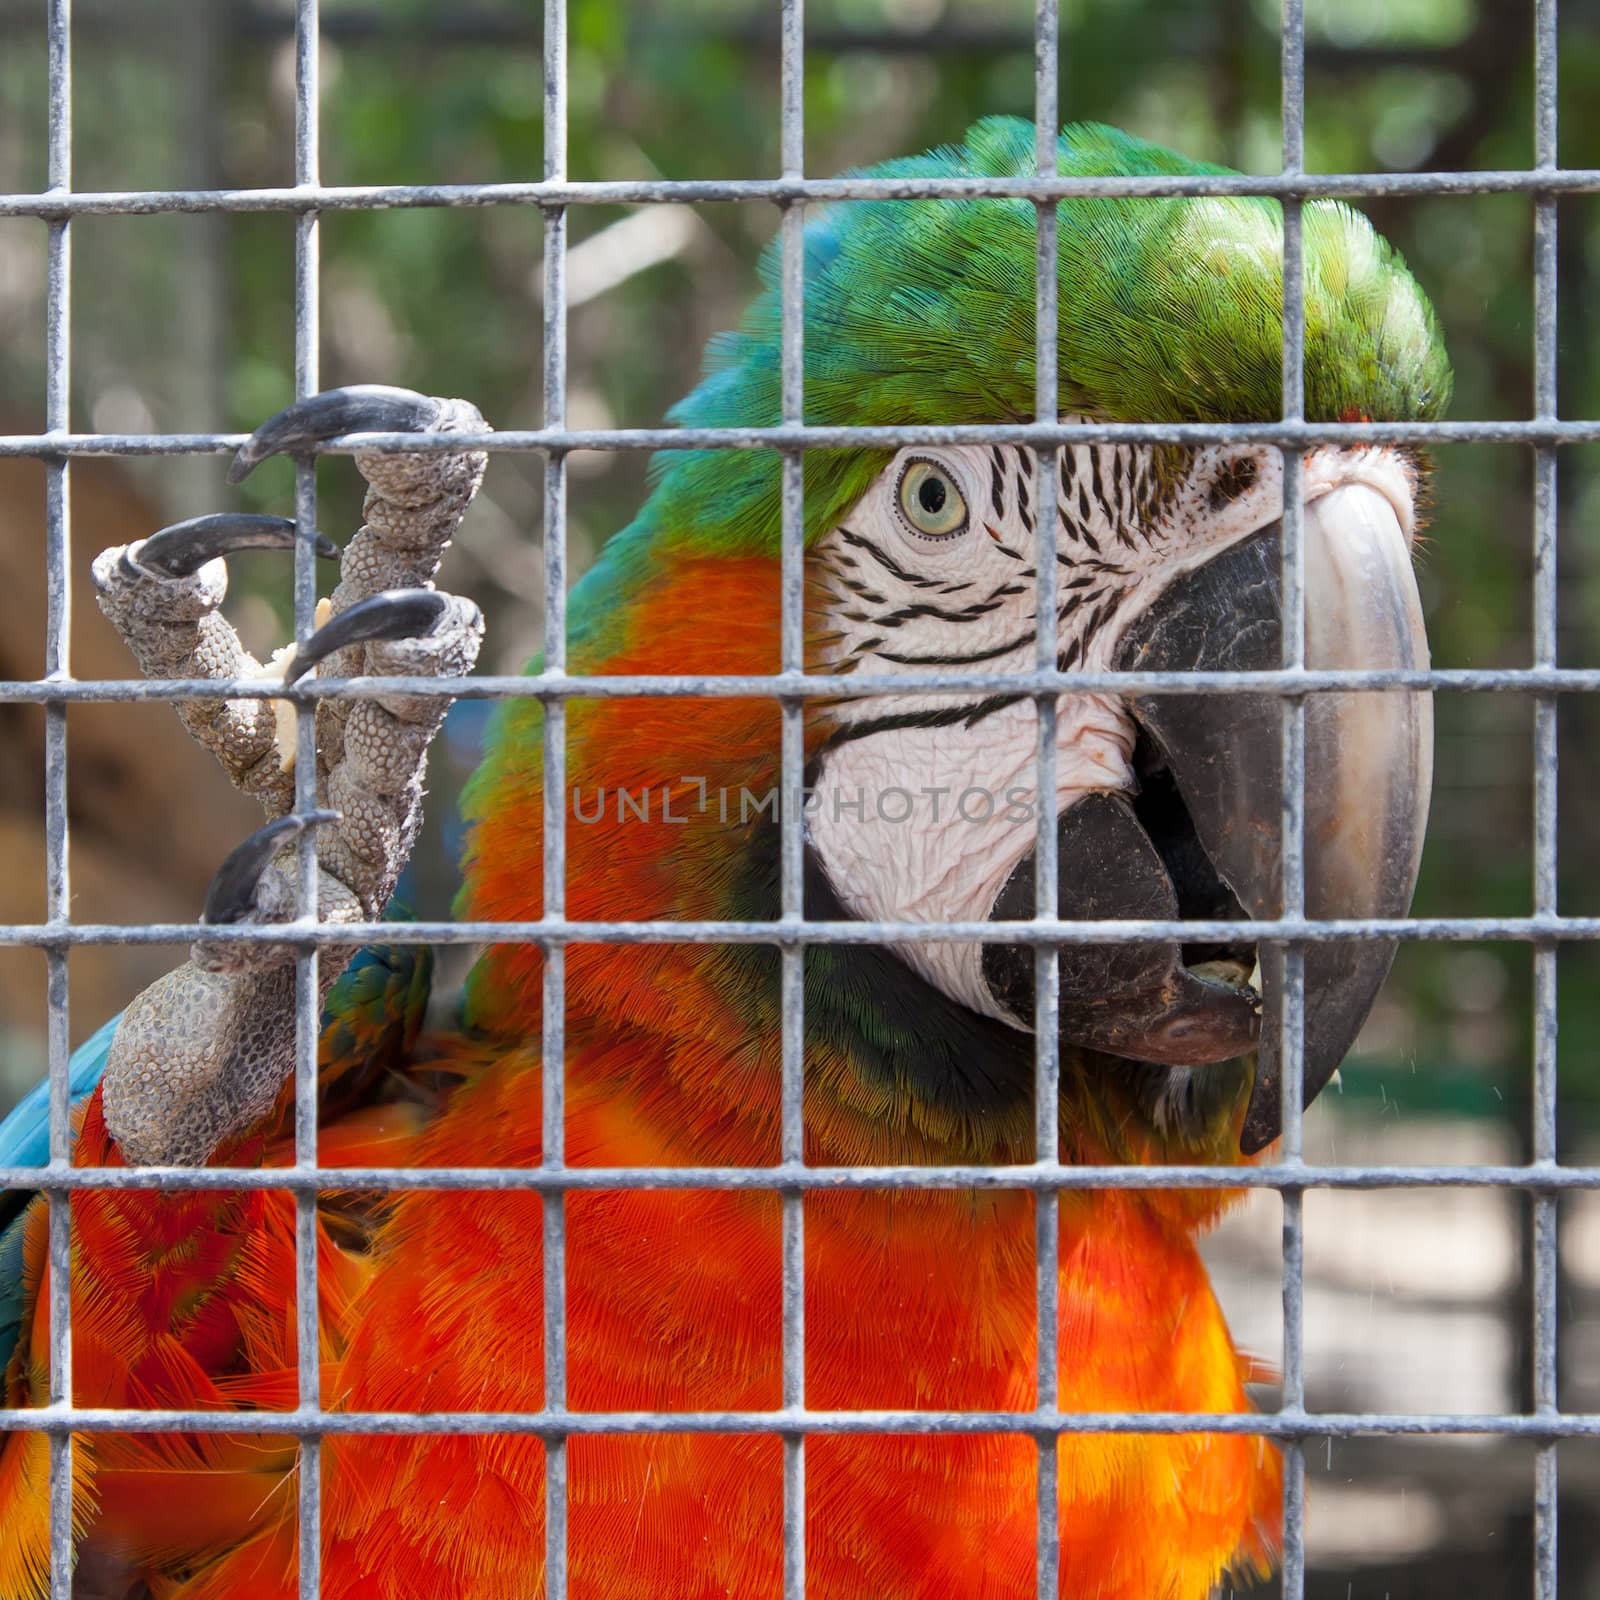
408,28
787,190
794,1175
1034,1424
794,436
818,686
556,932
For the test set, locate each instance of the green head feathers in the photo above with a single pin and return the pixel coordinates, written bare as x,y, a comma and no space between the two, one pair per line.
923,312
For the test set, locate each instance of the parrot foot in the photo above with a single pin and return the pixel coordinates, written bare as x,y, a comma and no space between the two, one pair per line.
203,1052
164,595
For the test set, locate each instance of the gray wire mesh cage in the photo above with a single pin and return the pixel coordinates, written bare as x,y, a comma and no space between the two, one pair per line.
306,201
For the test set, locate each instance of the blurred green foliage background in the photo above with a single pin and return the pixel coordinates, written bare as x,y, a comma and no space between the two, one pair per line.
184,323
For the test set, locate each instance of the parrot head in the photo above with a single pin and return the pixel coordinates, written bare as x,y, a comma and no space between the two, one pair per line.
924,805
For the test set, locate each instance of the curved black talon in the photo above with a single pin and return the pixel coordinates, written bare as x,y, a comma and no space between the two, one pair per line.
390,614
231,896
182,549
360,408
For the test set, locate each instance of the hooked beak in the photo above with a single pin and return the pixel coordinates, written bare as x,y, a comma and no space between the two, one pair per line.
1204,837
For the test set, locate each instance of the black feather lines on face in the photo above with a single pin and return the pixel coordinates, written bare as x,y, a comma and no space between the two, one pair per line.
1107,498
1121,485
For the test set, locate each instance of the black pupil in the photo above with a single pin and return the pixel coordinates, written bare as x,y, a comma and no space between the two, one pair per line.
931,496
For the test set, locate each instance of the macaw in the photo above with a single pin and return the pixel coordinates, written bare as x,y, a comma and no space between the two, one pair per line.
921,807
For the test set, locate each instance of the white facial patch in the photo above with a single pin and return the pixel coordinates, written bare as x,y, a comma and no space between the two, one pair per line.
926,824
925,803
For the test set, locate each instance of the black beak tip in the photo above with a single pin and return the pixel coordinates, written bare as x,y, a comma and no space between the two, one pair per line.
1261,1119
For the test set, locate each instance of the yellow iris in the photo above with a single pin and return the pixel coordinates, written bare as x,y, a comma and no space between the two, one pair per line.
930,501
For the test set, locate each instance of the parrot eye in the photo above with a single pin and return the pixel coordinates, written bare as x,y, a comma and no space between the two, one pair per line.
931,504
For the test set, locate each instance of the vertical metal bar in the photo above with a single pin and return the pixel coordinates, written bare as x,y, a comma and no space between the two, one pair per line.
1047,967
553,1045
307,297
58,899
196,364
1293,802
1545,1239
792,955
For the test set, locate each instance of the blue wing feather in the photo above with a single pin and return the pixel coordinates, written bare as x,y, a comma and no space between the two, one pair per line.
25,1142
25,1134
